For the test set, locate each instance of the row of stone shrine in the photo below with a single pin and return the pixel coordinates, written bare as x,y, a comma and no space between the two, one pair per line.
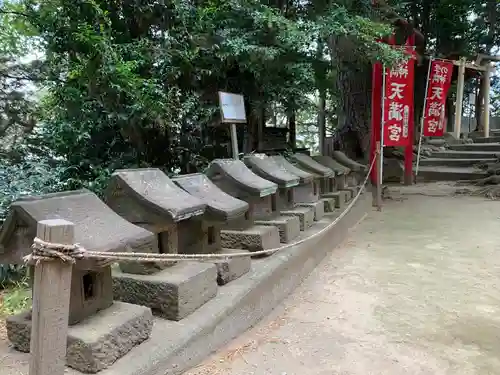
248,205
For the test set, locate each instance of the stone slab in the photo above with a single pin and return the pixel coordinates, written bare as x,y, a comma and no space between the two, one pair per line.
305,215
173,293
232,268
426,173
490,147
317,207
255,238
288,226
174,347
447,162
97,342
450,154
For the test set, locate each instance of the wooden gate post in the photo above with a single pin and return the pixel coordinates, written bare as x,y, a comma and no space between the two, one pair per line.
51,295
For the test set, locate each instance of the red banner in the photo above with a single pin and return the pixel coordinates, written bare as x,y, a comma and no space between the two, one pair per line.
438,84
398,102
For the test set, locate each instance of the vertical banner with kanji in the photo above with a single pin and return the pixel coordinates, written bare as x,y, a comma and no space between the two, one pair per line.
438,84
398,102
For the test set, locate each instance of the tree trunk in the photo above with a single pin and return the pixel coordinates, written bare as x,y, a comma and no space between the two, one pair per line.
353,87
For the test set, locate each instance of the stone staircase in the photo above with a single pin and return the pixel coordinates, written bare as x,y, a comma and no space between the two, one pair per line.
459,161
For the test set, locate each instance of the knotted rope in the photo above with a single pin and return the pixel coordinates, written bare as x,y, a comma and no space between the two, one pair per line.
45,251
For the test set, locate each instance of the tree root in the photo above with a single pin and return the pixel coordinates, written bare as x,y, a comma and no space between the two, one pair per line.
488,187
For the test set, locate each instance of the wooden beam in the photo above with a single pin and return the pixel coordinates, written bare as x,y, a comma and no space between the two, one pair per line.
486,101
460,99
469,65
51,295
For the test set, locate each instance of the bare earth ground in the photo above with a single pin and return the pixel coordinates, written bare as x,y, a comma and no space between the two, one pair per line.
414,291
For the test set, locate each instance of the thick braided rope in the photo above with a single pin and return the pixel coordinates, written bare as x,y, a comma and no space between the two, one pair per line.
45,251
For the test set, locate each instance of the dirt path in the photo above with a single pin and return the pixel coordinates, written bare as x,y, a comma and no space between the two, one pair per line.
415,291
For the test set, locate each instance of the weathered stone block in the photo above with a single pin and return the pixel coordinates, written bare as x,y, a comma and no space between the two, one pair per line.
317,207
352,191
348,194
329,204
97,342
305,215
232,268
340,198
255,238
288,226
173,293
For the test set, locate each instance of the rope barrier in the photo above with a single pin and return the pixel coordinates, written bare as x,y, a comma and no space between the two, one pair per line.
45,251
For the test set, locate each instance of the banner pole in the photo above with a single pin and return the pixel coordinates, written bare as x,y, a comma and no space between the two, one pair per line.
422,121
382,121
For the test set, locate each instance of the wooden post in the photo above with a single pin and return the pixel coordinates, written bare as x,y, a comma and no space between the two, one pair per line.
460,99
377,191
486,101
51,295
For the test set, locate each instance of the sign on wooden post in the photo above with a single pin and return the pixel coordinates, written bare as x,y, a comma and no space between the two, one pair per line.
51,296
233,112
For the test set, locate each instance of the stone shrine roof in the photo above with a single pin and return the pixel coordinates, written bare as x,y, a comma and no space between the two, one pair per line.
348,162
240,175
152,188
267,168
304,176
311,165
97,227
220,205
332,164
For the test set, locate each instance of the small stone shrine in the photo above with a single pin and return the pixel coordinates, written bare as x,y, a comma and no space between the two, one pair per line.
341,175
236,179
324,177
265,167
307,192
221,210
148,198
358,169
100,330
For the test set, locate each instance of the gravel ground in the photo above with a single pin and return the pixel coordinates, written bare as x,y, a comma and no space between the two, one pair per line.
414,291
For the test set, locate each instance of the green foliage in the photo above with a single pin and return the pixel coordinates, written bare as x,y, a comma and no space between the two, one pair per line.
16,297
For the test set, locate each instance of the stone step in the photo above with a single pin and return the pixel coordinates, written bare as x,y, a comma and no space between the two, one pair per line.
440,173
451,154
454,162
493,139
490,147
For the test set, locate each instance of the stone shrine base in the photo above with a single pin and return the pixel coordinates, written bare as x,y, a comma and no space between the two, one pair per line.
340,197
232,268
329,204
173,293
317,207
305,215
288,226
255,238
97,342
